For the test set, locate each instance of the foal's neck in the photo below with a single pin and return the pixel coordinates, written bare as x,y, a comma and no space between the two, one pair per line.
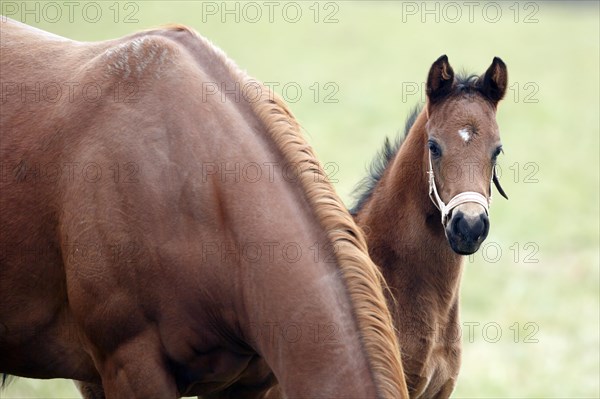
405,235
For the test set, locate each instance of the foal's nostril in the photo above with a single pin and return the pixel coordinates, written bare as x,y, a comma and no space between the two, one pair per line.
459,224
485,221
477,229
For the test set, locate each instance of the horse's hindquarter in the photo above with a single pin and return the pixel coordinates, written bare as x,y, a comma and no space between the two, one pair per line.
127,216
39,336
149,224
100,198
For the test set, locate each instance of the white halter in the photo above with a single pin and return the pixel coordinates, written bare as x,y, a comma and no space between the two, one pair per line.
458,199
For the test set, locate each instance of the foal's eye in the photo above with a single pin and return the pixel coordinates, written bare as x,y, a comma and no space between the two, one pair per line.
497,152
434,149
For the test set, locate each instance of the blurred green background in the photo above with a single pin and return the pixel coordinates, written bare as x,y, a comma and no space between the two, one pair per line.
531,294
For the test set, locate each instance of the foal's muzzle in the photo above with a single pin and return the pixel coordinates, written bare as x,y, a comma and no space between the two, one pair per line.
467,228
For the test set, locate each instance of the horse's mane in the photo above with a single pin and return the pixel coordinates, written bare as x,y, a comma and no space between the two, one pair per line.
362,279
465,84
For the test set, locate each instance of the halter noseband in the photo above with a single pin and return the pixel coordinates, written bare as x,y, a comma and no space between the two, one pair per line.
458,199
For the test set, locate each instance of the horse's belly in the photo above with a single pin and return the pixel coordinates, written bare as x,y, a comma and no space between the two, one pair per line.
50,350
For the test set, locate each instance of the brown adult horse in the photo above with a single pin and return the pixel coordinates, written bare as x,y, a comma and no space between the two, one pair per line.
136,258
448,155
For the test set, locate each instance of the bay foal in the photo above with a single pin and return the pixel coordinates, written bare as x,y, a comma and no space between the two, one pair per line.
425,205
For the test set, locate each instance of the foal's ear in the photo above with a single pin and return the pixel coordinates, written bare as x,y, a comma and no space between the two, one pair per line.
495,81
440,79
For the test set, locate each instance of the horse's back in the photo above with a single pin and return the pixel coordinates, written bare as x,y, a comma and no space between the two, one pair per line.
83,118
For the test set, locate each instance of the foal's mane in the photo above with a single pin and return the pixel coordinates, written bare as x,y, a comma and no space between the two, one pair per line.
362,279
364,189
465,85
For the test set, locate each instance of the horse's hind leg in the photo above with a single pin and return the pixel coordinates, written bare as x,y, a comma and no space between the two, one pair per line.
136,370
89,390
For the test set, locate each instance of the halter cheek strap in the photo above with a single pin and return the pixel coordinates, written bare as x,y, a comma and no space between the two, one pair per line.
458,199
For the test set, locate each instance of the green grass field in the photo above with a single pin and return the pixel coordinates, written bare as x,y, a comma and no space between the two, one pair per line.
531,294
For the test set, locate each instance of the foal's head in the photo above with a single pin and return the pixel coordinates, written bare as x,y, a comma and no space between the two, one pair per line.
462,144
